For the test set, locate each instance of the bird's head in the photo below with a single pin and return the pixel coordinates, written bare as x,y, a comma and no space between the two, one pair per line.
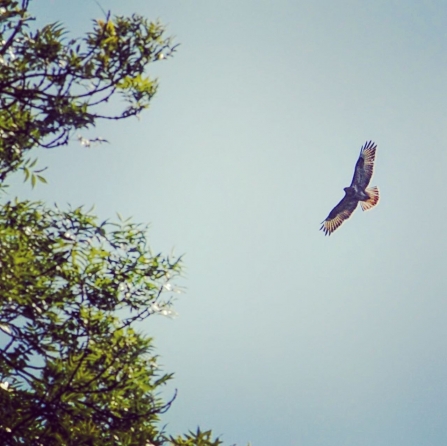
349,190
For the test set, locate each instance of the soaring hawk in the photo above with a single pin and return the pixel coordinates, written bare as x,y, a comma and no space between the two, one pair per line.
357,191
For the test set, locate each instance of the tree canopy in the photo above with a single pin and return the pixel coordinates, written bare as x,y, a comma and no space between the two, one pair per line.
74,369
52,85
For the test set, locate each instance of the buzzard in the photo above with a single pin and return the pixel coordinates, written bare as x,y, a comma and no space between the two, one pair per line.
357,191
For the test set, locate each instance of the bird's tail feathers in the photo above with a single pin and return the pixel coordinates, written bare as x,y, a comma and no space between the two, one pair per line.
373,199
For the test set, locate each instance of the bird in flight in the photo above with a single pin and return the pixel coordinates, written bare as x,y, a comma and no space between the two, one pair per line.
356,192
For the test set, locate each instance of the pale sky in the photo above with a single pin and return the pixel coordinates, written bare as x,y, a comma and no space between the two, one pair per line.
285,336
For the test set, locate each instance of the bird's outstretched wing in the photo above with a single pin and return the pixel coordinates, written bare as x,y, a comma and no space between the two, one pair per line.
339,214
364,166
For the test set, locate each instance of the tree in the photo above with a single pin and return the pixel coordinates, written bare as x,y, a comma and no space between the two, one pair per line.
78,373
74,370
52,86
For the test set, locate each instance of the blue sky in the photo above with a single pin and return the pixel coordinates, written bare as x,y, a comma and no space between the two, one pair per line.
286,336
